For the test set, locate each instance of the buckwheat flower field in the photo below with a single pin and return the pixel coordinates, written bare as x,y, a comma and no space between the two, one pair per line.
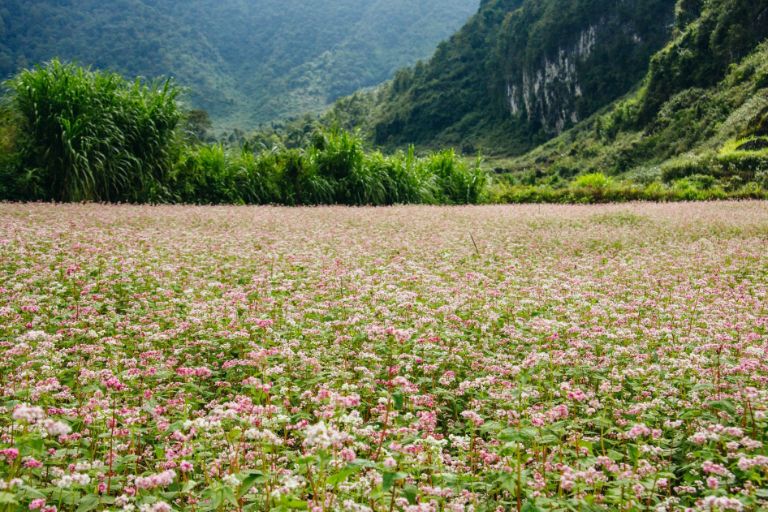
410,359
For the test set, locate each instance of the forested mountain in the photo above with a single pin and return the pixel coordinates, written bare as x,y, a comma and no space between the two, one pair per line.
245,61
667,95
701,110
648,89
521,71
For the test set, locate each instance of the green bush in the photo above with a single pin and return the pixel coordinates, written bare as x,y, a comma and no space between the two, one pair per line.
9,179
743,158
686,165
697,188
753,190
404,179
692,188
593,187
759,124
93,136
340,158
455,181
211,174
261,177
301,181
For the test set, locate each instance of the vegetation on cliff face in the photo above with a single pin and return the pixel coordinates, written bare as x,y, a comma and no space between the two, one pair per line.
522,71
246,62
699,117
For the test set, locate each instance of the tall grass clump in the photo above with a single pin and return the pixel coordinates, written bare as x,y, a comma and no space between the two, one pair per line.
405,179
9,181
214,174
301,181
92,136
339,156
456,182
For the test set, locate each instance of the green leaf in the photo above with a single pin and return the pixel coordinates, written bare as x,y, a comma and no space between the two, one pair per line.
724,405
188,486
7,498
215,496
251,479
34,445
411,492
389,479
397,398
228,495
30,492
88,503
517,435
342,475
530,506
508,482
634,453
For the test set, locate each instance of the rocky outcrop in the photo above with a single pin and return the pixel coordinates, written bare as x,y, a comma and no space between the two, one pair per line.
557,89
522,71
547,93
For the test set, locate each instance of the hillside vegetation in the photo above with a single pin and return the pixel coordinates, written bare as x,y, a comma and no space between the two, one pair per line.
521,71
634,98
245,61
698,119
615,101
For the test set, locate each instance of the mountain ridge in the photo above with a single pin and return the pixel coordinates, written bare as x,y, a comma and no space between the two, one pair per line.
245,61
531,70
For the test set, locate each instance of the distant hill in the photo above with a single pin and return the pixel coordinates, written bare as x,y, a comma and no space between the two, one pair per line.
245,61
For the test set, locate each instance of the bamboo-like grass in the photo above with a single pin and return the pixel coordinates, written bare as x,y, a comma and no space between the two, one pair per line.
94,136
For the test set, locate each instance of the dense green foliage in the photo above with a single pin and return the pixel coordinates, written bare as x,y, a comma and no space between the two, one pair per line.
599,188
713,34
699,128
246,62
90,136
71,134
516,75
554,91
519,72
333,169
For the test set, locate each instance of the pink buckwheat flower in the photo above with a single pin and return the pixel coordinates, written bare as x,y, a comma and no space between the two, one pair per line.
163,479
473,418
9,454
37,504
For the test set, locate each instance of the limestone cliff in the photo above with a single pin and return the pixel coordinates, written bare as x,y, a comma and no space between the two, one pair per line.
522,71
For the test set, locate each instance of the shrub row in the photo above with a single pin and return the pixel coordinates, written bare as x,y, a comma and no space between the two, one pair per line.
81,135
334,169
745,159
598,188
